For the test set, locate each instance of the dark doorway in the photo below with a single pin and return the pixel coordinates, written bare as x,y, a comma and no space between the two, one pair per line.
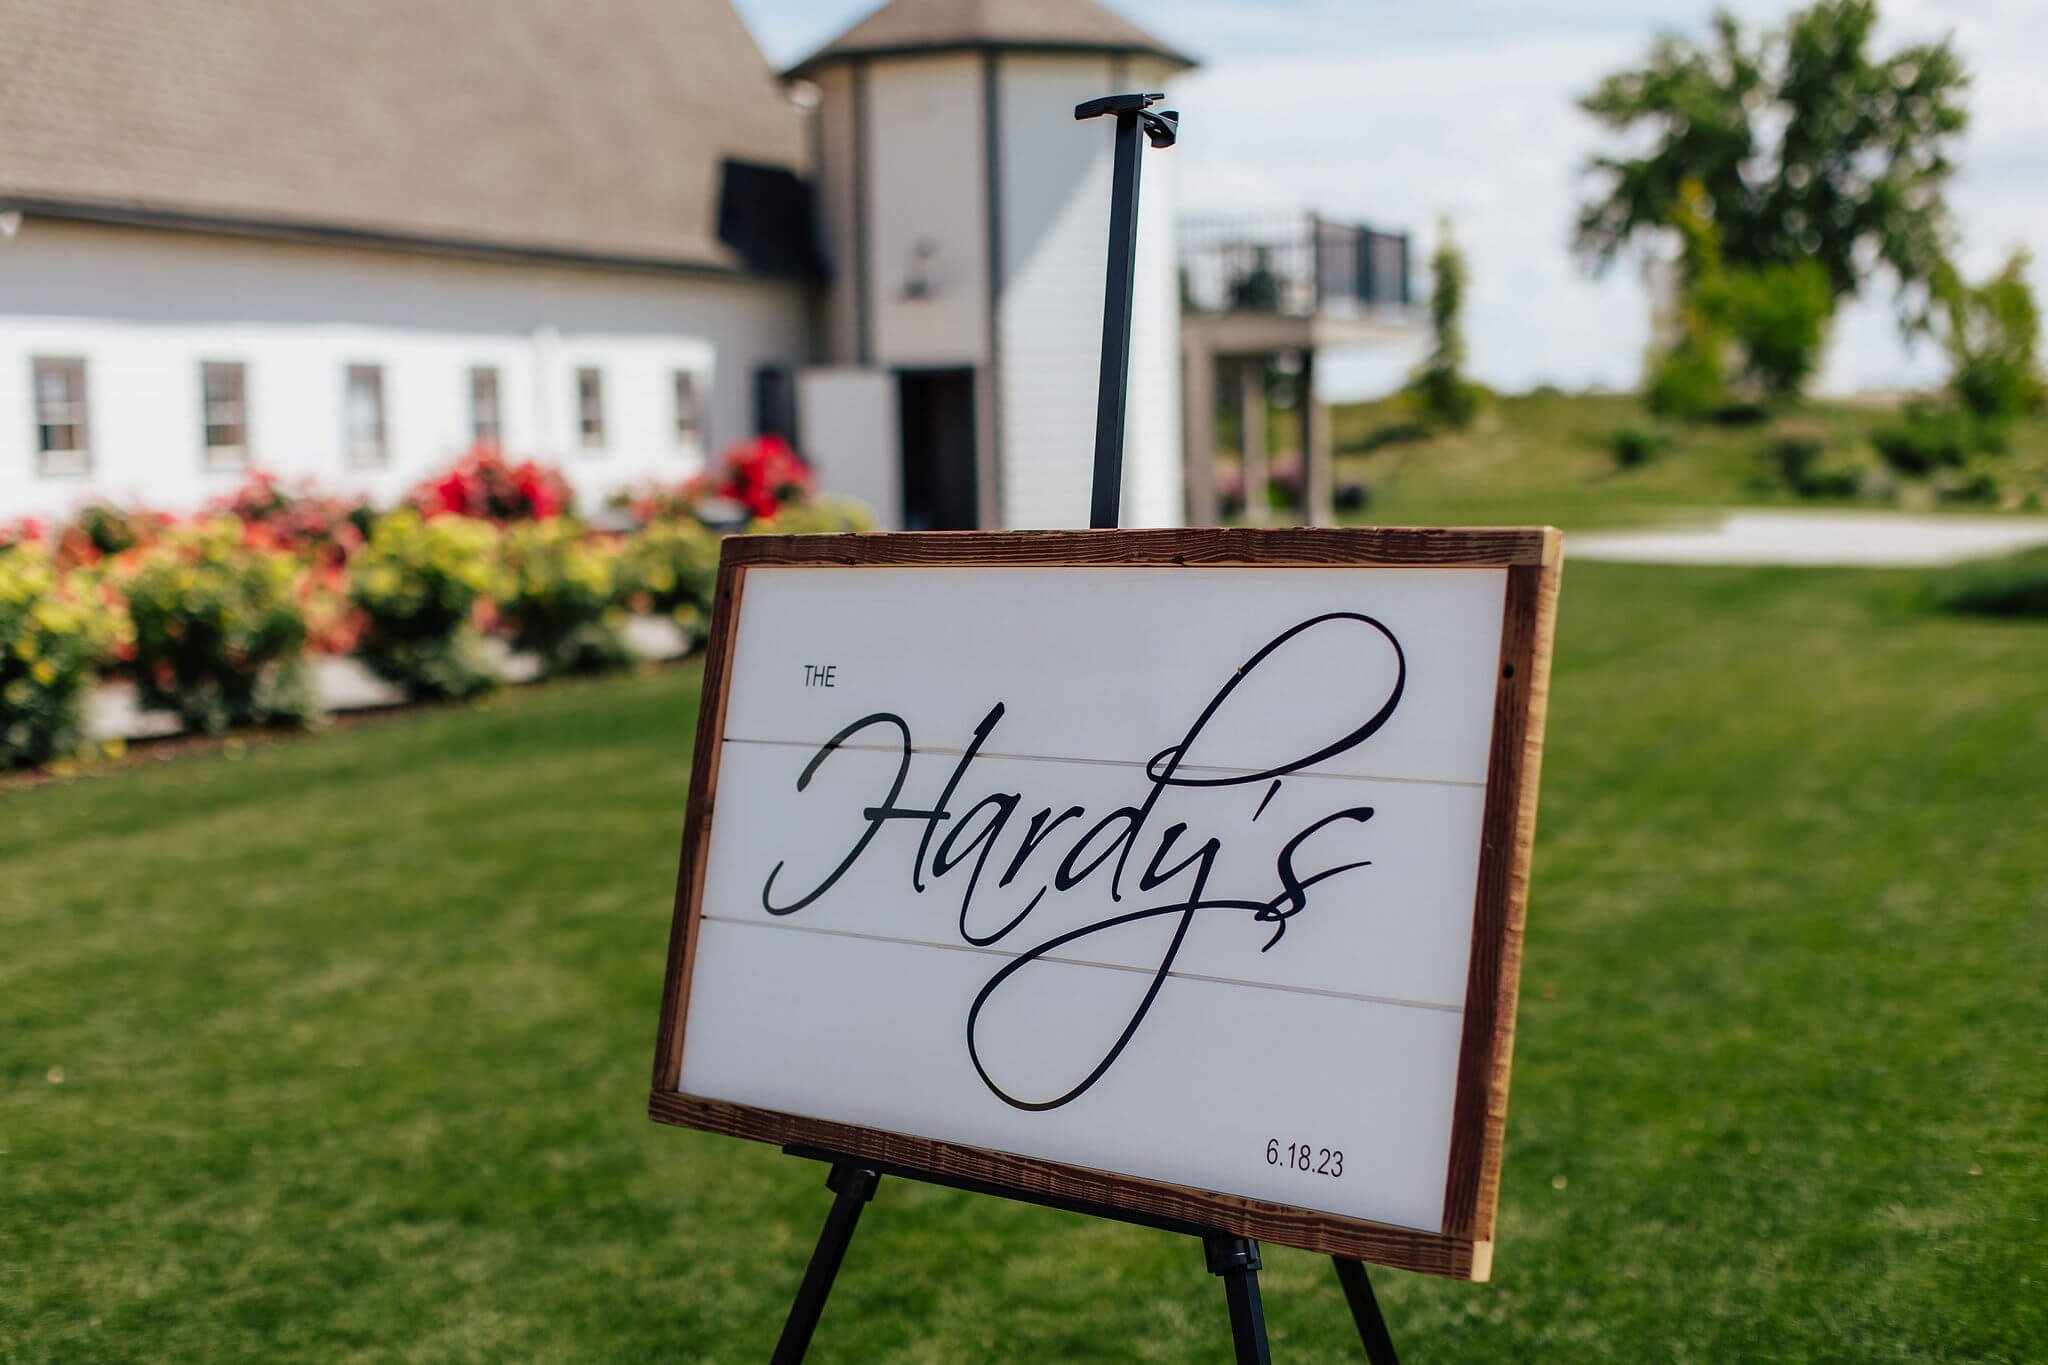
774,402
936,410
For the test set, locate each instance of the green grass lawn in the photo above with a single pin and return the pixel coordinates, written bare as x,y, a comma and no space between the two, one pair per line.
1545,457
338,1050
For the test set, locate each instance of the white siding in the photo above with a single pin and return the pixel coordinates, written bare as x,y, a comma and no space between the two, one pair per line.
1152,439
146,308
1055,195
926,187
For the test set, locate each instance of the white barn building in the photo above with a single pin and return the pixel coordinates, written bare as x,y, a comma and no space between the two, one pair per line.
346,242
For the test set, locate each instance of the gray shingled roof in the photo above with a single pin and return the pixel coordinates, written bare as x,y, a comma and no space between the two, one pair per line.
593,128
905,26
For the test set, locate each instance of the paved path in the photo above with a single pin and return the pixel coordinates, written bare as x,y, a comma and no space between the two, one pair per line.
1852,539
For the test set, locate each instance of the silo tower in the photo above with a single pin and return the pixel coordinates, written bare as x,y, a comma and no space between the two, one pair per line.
965,217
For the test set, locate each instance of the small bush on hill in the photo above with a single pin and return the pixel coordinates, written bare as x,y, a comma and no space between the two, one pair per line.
1934,436
1799,457
1633,447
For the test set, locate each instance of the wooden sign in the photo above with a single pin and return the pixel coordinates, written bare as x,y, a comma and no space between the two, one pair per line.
1178,873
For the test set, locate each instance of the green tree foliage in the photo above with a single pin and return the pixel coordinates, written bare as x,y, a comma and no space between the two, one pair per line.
1769,322
1808,147
1438,391
1690,379
1992,334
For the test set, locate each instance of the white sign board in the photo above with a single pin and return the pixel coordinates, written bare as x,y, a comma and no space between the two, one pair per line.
1154,871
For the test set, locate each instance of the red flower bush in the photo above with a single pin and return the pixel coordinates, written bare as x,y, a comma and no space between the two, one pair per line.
483,484
764,474
26,530
325,530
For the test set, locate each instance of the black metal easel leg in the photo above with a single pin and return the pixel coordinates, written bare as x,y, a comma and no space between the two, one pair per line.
1236,1259
855,1186
1365,1311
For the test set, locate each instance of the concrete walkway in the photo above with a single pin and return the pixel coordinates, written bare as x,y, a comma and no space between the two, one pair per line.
1870,540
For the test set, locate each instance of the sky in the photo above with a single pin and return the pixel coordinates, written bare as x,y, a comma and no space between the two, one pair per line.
1400,113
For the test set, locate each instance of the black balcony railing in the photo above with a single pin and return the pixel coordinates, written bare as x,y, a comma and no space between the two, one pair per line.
1297,266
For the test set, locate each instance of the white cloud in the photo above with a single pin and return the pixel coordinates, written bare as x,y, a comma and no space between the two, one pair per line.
1480,125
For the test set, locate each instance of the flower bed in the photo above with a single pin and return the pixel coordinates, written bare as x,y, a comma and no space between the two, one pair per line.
214,617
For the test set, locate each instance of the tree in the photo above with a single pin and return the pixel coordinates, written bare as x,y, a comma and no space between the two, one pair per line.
1438,390
1774,317
1807,146
1992,334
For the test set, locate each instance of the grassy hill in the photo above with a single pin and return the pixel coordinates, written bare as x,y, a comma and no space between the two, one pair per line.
1547,456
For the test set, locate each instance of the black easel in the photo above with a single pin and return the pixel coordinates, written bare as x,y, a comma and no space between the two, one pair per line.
1234,1259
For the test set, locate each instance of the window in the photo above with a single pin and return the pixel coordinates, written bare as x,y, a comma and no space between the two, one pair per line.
224,403
363,417
484,426
61,437
590,408
689,411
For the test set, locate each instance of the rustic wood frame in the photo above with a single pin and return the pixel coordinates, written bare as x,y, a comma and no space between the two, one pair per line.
1464,1250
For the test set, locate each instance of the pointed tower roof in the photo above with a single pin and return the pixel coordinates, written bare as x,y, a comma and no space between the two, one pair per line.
903,27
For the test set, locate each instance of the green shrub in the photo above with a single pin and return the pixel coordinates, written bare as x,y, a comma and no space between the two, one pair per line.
672,567
1687,382
55,628
2013,585
219,632
1799,457
418,584
1992,333
1932,436
1976,483
1795,451
1779,315
1634,447
105,529
1438,393
563,596
818,516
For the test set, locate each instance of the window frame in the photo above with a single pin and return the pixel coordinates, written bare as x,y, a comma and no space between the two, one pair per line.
351,448
222,457
491,377
52,461
591,434
690,412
